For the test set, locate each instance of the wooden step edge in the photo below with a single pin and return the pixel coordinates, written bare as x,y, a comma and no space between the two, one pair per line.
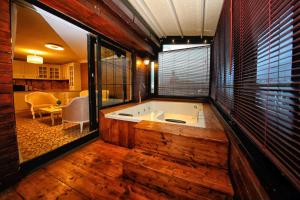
186,162
207,177
214,135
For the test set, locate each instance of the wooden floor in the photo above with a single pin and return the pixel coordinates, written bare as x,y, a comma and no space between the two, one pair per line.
92,172
168,162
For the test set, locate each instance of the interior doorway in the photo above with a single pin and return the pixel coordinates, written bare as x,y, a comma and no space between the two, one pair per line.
54,91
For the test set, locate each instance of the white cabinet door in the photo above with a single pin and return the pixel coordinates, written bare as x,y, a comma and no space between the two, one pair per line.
18,69
30,70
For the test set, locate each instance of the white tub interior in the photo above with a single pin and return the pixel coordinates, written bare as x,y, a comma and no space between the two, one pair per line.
189,113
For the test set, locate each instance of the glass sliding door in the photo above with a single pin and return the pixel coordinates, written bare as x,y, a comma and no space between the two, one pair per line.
55,99
116,75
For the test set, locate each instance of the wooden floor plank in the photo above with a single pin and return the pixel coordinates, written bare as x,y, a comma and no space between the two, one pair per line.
41,185
104,159
10,194
93,186
93,171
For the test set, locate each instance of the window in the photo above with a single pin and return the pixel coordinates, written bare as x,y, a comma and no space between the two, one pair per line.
266,81
184,72
170,47
42,72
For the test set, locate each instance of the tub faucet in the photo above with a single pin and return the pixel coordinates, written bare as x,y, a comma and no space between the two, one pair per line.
140,97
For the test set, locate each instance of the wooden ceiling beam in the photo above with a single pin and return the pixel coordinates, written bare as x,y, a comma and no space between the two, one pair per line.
98,16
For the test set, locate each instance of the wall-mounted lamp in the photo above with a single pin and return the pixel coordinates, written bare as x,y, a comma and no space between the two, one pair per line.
146,61
138,62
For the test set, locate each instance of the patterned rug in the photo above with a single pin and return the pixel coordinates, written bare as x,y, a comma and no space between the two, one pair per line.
38,136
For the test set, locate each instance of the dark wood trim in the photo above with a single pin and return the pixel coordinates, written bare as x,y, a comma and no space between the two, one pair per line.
91,41
133,80
99,71
116,30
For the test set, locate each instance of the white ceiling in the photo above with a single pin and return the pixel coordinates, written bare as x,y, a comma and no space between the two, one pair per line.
180,17
35,28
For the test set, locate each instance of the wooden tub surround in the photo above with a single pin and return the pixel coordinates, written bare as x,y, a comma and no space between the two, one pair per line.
182,161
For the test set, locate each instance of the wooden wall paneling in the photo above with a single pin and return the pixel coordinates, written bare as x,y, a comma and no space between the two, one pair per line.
182,147
9,160
101,18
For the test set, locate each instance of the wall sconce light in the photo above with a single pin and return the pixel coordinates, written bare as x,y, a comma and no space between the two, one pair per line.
138,62
146,61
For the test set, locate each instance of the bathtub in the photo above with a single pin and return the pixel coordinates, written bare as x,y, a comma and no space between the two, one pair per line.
189,114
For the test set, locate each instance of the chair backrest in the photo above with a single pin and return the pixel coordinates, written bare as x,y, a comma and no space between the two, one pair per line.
84,93
40,98
77,110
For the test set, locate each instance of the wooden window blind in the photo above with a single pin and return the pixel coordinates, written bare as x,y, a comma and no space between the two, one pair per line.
184,72
265,100
222,71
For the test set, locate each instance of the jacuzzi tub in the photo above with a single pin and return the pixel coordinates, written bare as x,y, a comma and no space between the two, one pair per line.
190,114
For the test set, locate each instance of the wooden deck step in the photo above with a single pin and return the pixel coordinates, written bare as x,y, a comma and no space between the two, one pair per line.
183,143
175,179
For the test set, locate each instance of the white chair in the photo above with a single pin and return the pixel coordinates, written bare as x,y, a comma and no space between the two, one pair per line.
77,111
37,100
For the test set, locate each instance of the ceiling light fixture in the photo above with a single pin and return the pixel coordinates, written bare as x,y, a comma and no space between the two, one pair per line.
35,59
54,46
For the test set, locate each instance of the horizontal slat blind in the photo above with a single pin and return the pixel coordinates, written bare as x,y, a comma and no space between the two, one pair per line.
222,72
184,72
266,92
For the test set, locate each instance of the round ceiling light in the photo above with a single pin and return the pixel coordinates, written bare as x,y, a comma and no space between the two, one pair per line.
54,46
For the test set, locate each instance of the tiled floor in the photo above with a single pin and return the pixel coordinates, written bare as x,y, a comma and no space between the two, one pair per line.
38,136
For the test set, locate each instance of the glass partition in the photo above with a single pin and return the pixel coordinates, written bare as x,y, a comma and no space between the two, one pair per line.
116,74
